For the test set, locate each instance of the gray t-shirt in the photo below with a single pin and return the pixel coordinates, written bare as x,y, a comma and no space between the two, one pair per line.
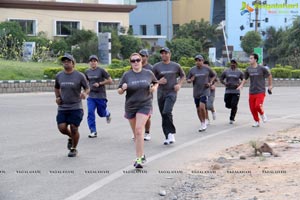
202,76
97,75
138,89
70,86
233,79
213,91
257,79
171,72
148,66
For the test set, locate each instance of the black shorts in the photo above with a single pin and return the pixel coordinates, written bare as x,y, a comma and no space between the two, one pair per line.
202,99
69,117
143,110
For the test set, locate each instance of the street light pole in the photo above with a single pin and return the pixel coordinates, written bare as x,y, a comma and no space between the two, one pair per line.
225,39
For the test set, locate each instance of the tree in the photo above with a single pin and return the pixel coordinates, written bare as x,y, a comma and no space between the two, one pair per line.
115,44
79,36
11,40
83,43
250,41
274,45
201,31
130,44
184,47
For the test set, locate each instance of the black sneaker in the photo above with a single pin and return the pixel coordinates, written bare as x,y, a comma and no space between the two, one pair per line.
69,145
138,163
73,153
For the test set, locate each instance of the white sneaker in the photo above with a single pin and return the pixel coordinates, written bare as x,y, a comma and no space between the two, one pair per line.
204,126
231,122
207,122
264,118
166,142
132,138
214,116
256,124
147,137
93,135
171,138
200,129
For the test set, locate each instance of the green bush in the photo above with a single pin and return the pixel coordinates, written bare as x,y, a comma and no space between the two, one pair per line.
11,40
218,70
295,73
186,70
281,73
116,73
50,72
188,62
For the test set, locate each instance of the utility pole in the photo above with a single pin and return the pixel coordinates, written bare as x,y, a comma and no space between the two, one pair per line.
168,32
256,14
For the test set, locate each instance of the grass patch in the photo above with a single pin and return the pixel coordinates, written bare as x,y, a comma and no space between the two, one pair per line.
16,70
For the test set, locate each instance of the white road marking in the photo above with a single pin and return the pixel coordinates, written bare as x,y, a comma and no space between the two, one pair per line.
99,184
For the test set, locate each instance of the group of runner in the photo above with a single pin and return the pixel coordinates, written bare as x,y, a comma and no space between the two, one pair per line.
139,84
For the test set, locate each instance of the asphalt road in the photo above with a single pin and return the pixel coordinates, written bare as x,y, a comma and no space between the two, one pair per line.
33,154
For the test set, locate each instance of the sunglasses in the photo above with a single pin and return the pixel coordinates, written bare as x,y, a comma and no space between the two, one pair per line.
135,60
198,60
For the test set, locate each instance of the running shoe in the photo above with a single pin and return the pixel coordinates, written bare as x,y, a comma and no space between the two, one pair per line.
200,129
69,145
264,118
144,159
138,163
73,152
166,142
171,138
207,122
147,137
231,121
256,124
93,135
214,116
204,126
108,118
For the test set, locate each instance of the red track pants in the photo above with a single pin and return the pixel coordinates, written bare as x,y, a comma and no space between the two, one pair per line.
256,105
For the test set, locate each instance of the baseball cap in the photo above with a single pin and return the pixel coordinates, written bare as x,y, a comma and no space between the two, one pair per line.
200,57
166,49
93,57
233,60
68,57
144,52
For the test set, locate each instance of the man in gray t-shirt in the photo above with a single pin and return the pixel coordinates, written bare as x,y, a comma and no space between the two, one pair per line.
257,90
167,73
68,92
97,99
202,78
232,78
145,56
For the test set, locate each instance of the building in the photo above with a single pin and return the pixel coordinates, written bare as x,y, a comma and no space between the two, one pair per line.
57,18
243,16
156,20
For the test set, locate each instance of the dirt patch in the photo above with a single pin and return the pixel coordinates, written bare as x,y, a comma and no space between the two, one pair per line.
236,173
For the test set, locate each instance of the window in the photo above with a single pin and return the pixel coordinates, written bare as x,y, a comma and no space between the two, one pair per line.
28,26
157,29
175,28
143,30
108,26
64,28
